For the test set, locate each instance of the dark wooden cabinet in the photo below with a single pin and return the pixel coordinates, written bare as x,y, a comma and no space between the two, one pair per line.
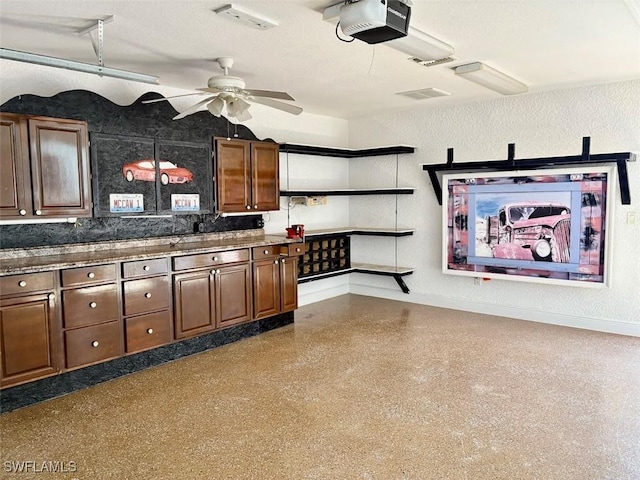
29,329
213,298
44,167
275,282
247,176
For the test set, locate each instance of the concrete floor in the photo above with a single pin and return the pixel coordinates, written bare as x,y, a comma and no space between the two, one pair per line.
357,388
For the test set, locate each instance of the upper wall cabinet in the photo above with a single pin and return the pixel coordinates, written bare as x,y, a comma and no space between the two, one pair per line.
142,175
247,176
44,167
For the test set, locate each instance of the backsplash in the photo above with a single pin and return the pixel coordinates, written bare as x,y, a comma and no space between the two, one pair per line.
142,120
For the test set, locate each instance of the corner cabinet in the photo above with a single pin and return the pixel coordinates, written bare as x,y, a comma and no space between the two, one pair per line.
44,167
247,176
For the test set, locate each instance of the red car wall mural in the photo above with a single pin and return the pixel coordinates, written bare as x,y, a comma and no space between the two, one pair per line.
145,170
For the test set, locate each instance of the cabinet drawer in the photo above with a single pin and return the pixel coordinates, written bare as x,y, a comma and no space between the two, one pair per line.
209,259
93,344
143,268
295,249
85,306
31,282
146,295
268,251
87,275
148,331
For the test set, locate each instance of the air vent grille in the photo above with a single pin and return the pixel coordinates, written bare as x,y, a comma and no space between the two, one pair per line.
432,63
424,93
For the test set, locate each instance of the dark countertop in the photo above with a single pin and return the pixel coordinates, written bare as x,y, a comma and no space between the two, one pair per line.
30,260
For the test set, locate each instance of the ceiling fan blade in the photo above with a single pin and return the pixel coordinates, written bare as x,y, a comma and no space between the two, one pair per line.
285,107
193,108
164,99
268,94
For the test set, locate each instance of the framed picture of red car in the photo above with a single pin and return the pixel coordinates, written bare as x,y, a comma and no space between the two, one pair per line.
549,226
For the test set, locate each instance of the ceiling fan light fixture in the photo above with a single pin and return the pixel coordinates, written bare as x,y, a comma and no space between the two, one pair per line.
215,106
236,106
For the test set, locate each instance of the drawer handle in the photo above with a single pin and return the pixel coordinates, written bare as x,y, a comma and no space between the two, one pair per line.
215,259
149,331
91,275
95,343
146,268
38,212
93,305
22,283
147,295
23,212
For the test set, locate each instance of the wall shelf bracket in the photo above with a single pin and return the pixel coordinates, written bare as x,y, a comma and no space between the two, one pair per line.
511,163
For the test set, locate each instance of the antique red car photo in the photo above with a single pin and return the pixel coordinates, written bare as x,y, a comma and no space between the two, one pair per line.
145,170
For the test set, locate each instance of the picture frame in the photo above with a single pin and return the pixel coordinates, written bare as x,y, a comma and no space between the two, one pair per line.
546,226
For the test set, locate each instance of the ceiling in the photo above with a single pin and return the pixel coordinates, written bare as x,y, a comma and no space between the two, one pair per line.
547,44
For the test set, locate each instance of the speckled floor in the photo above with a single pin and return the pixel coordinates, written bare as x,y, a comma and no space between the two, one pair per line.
357,388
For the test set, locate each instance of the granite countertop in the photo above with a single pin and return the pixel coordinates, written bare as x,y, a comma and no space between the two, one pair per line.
36,259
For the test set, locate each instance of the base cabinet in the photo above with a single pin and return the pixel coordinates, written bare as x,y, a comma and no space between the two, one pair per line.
28,348
275,285
194,303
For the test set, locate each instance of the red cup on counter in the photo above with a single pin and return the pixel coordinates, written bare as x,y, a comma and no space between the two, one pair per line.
295,231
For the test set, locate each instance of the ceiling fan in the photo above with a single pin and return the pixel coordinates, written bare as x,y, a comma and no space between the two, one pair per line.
230,92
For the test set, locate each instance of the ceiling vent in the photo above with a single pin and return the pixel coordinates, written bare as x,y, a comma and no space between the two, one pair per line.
424,93
432,63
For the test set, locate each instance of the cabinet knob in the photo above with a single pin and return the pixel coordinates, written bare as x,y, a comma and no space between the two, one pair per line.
149,331
297,249
275,262
266,252
213,272
95,343
147,295
93,305
218,271
145,268
91,275
23,212
282,261
248,207
22,283
255,207
38,212
215,259
51,296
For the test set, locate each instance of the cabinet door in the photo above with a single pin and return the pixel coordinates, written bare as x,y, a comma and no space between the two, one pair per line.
266,288
233,285
59,167
194,303
265,176
289,283
15,183
28,339
233,180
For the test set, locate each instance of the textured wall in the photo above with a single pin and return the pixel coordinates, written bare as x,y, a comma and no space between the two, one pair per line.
540,124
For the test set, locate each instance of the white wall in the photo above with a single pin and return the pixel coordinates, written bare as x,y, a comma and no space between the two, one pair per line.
542,124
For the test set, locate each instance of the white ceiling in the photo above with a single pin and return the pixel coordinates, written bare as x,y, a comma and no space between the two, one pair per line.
547,44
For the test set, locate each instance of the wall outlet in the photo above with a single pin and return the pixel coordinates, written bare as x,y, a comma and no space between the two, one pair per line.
317,200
